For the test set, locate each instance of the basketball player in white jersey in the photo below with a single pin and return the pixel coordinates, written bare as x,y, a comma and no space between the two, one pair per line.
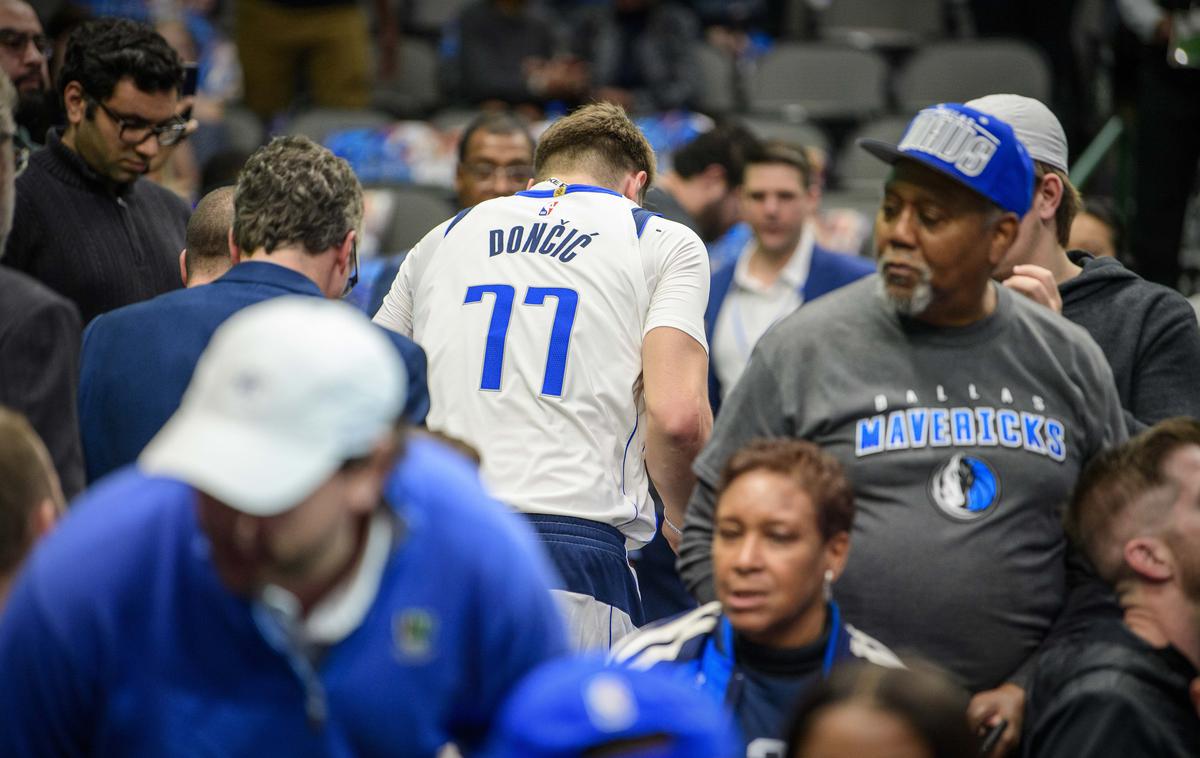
565,336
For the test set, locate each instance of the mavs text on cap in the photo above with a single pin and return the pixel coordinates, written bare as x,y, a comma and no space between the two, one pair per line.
953,137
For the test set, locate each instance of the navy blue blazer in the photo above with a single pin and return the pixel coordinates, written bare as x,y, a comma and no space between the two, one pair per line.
137,360
826,272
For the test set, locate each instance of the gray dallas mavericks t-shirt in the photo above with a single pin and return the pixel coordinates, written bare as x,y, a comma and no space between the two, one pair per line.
963,445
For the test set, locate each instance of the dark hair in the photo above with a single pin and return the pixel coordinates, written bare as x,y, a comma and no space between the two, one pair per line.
294,191
922,696
494,122
28,479
1122,479
726,146
207,237
101,53
599,139
814,471
776,153
1105,211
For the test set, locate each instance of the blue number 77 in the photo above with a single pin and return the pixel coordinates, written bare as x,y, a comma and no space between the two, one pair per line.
560,332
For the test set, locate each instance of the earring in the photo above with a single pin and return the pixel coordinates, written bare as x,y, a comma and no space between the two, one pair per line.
828,586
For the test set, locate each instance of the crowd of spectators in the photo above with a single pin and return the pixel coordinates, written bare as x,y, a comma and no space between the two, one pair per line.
649,444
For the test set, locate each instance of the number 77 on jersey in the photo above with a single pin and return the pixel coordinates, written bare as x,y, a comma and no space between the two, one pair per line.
502,308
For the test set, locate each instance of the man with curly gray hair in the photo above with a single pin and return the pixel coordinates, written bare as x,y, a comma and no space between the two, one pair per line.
297,212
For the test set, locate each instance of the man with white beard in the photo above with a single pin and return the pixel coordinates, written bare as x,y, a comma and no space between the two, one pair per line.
961,413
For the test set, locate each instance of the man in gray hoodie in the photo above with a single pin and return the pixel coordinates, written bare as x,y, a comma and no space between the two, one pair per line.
1148,332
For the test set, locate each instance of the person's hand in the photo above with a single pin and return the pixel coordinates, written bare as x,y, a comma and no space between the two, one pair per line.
1037,284
987,709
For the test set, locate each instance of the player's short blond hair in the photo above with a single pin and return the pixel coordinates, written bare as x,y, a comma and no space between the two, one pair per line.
598,140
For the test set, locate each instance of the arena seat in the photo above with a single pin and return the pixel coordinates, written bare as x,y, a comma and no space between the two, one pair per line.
319,123
855,168
957,71
414,90
817,80
415,210
718,76
803,133
888,25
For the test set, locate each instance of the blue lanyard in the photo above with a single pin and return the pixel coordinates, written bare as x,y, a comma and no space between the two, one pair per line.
716,675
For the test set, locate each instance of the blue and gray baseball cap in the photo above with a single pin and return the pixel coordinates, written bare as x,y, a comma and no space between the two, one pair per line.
571,706
978,151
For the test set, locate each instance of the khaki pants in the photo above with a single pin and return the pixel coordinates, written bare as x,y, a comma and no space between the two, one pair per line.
329,44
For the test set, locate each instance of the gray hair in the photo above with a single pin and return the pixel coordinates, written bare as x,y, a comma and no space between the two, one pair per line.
295,192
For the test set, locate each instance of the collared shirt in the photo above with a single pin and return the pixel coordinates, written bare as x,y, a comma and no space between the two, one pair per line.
342,611
751,308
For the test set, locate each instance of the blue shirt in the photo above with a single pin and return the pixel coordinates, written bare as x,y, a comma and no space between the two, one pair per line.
137,361
119,640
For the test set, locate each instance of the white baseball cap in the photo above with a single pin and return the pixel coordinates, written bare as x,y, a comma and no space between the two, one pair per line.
1036,126
284,394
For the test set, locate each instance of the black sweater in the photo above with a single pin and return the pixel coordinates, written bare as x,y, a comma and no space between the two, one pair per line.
1148,334
99,245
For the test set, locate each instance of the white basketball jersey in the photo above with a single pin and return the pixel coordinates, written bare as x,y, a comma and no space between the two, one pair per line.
532,310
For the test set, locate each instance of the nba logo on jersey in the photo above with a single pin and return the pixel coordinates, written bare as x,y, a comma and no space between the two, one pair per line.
548,208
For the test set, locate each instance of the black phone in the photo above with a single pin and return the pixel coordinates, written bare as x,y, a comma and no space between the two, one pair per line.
992,737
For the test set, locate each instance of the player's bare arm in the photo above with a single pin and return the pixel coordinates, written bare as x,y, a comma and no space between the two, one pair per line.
679,420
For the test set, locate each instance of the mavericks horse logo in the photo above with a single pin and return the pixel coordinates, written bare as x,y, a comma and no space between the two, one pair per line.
964,488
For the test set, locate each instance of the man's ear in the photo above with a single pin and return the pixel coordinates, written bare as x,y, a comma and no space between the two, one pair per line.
183,266
1149,558
344,250
1048,195
634,187
714,173
235,252
1004,234
74,103
43,517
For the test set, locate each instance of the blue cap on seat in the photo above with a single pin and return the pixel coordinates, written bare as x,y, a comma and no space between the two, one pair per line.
976,150
572,705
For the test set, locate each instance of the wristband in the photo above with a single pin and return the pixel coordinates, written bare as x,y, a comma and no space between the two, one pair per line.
673,528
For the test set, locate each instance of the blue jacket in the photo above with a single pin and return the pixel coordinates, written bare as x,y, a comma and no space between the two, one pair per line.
137,361
827,271
119,640
698,647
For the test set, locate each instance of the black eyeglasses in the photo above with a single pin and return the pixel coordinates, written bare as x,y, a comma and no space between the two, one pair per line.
17,41
20,151
482,171
134,131
353,280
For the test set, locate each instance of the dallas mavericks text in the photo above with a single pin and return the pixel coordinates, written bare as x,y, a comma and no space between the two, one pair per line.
983,426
